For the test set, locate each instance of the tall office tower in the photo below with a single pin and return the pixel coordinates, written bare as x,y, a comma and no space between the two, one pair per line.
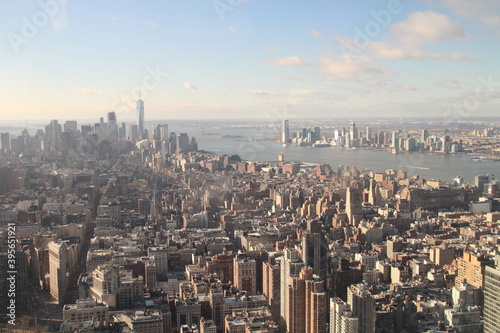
314,248
140,117
354,131
354,208
363,306
446,144
491,300
482,180
122,132
271,285
425,136
290,266
71,126
112,127
58,271
245,274
368,133
317,133
285,132
133,133
183,142
172,143
374,195
307,303
5,143
163,132
55,134
394,143
342,320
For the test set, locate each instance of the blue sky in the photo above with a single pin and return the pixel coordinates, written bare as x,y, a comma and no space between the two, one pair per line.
195,59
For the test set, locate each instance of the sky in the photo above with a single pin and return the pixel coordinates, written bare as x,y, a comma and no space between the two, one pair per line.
249,59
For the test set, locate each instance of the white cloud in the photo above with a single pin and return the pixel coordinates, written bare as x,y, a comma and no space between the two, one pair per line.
188,85
352,68
410,36
427,27
385,50
222,94
486,11
288,62
90,91
402,87
152,24
315,34
292,93
449,83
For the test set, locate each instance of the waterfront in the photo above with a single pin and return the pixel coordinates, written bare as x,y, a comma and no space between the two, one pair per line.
255,145
252,142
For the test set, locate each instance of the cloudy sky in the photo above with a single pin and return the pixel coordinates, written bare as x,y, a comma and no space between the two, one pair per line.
197,59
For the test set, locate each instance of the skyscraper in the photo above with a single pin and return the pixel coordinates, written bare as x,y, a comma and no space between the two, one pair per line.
342,319
314,248
354,131
58,271
363,306
140,117
354,208
425,136
491,300
285,132
290,266
6,143
307,303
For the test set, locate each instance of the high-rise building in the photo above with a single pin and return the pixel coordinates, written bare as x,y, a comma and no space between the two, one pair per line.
140,117
354,205
314,248
160,257
271,285
446,144
471,269
482,180
354,131
425,136
58,271
71,126
363,307
183,142
55,134
285,132
307,303
5,143
163,132
491,300
342,320
290,266
368,133
245,274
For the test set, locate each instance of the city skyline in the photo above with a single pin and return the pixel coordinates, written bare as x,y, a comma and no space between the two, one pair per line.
248,59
